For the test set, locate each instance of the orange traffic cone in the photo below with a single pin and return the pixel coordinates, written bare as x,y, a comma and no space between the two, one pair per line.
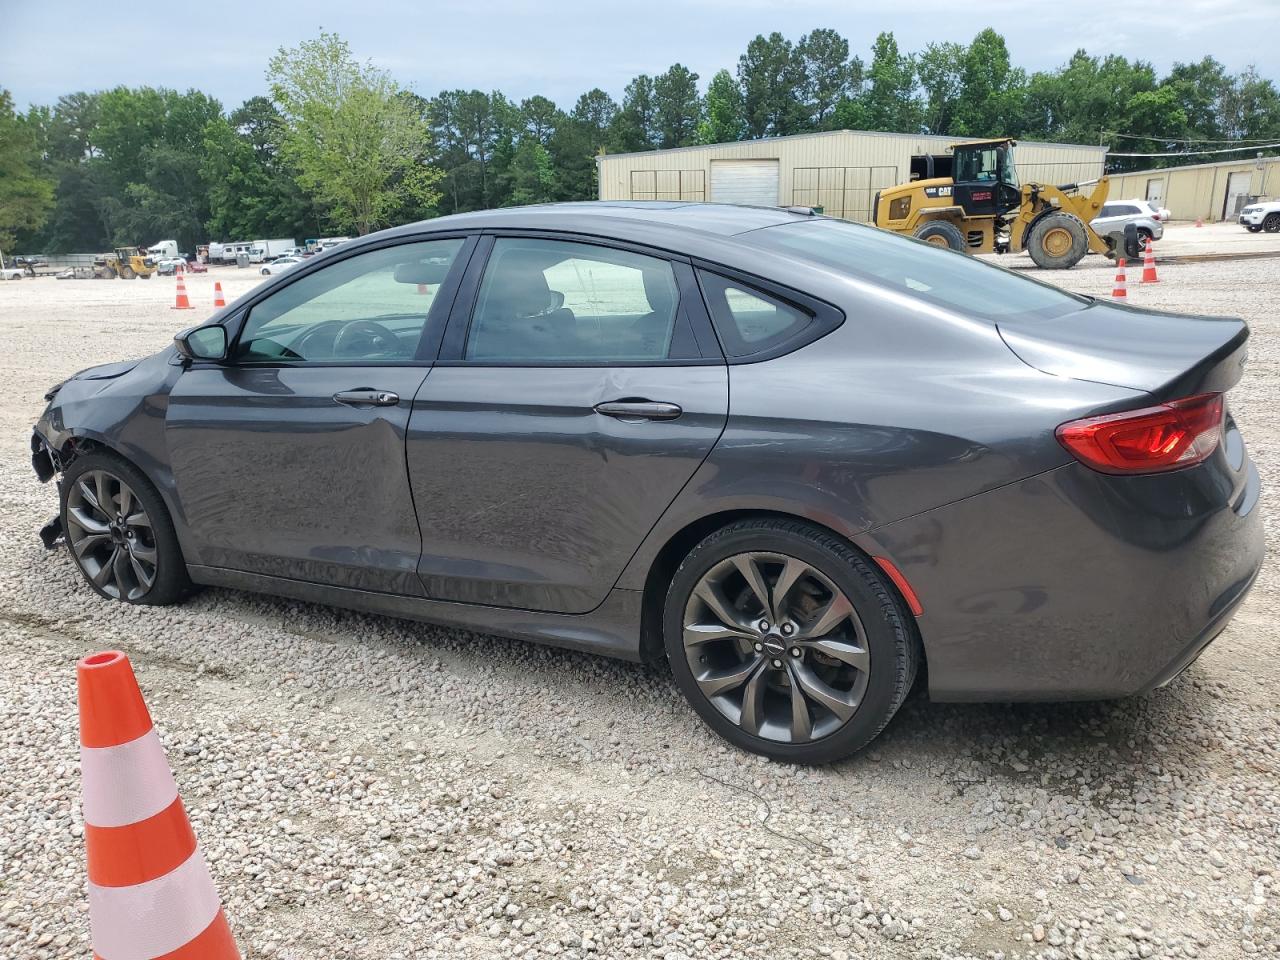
218,299
182,302
150,894
1120,291
1149,264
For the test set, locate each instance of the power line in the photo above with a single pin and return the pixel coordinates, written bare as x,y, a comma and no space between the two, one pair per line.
1196,153
1136,136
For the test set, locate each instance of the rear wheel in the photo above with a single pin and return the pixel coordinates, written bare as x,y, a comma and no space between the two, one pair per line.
941,233
1058,241
787,642
119,531
1272,223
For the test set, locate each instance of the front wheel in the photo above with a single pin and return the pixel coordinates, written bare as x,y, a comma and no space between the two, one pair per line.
787,642
1252,229
1057,241
119,531
1272,223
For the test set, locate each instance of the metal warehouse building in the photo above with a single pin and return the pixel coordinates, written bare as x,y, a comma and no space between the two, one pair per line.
840,171
1208,191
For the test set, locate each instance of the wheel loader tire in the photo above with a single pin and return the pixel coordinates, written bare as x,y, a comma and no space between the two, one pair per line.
941,233
109,273
126,273
1058,241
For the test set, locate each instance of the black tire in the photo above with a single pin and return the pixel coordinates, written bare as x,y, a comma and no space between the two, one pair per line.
941,233
1252,229
170,579
1272,223
1057,241
887,633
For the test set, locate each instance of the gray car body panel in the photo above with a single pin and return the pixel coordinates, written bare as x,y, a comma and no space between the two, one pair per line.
922,435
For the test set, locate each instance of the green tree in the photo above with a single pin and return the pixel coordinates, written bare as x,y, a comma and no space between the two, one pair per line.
677,107
635,126
889,102
829,75
770,74
940,67
990,100
723,121
530,176
26,192
539,115
577,140
358,146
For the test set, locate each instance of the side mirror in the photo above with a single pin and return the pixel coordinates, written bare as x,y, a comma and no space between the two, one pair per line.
203,343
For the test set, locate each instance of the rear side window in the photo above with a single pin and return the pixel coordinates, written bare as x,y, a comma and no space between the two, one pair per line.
750,321
555,301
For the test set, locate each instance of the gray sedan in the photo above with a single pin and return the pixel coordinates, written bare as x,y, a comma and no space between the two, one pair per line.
794,458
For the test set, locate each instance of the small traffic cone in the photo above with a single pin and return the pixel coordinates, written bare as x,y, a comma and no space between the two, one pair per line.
150,893
218,299
182,302
1149,264
1120,291
1199,222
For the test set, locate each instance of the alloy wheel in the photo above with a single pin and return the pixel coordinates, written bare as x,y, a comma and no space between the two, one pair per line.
776,647
110,535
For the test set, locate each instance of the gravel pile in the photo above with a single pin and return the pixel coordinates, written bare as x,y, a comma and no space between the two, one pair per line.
366,787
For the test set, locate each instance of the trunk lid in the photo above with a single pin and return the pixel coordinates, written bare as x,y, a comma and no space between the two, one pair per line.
1167,355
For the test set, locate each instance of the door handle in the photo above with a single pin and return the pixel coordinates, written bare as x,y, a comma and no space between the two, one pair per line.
366,397
636,410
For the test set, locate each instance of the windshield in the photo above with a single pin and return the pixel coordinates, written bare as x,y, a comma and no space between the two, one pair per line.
933,274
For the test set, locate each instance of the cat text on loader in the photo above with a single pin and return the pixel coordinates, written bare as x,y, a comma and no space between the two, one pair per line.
983,209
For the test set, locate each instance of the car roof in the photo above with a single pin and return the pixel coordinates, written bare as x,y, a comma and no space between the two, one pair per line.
654,219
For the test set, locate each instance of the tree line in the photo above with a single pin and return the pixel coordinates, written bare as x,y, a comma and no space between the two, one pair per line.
336,145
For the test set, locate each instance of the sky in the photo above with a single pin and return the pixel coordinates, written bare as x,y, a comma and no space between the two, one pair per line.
562,48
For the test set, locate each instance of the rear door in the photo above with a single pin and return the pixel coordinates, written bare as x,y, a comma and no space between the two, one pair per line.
579,388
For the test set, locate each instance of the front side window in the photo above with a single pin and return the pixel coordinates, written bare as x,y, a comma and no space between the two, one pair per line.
547,301
370,307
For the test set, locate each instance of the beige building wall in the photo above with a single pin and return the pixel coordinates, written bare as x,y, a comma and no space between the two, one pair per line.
1200,190
839,171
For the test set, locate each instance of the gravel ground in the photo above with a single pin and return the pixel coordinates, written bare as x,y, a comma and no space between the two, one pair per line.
367,787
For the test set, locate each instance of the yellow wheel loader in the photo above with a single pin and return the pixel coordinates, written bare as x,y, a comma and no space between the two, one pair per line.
125,263
982,208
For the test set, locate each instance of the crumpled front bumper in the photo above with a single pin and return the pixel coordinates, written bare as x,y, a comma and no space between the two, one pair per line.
44,459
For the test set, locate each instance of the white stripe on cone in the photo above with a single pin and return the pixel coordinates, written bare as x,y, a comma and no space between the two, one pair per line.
154,918
126,783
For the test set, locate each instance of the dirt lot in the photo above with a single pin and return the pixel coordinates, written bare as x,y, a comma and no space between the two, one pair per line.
366,787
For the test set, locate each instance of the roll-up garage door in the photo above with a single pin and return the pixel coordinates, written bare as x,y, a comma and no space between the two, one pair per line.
753,182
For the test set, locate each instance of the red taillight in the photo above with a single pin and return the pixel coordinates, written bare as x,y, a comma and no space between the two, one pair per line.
1177,434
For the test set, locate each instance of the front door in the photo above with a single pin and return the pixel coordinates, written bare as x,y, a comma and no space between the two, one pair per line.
288,458
568,409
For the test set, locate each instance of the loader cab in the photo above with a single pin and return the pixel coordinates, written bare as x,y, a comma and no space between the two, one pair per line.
985,178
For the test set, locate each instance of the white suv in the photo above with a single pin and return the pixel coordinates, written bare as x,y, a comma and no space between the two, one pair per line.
1261,216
